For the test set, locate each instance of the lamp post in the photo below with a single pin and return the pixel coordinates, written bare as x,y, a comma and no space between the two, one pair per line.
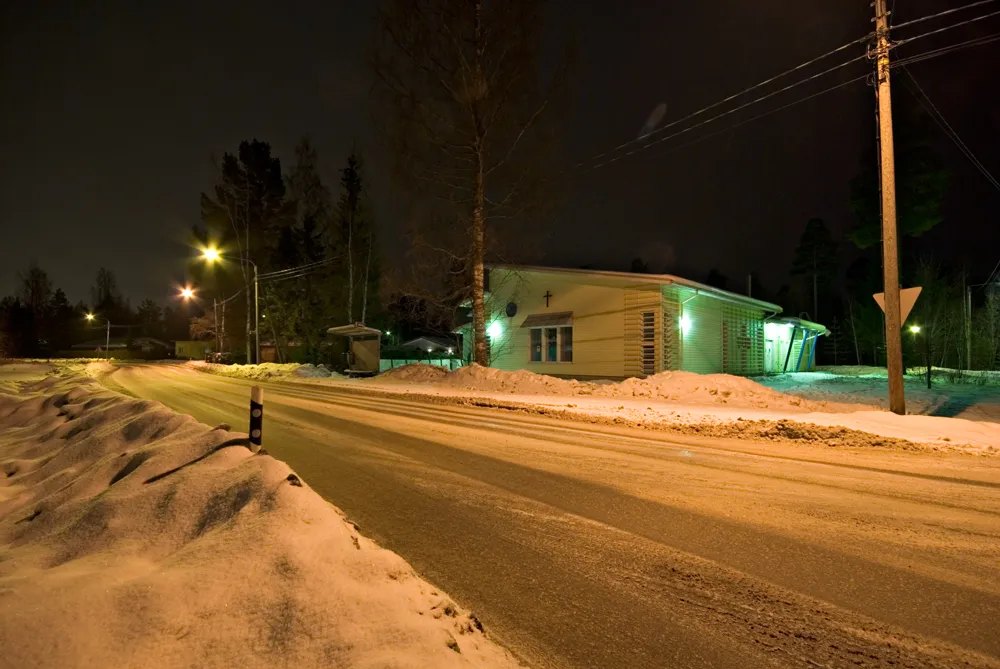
915,330
211,255
107,338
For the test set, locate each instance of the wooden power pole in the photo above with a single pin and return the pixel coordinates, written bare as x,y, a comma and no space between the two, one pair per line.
890,253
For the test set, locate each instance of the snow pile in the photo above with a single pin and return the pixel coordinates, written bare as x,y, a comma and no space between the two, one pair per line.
689,387
132,536
673,386
416,373
267,371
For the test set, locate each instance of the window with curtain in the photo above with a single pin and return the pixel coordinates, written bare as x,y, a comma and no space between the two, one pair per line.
551,344
536,345
566,344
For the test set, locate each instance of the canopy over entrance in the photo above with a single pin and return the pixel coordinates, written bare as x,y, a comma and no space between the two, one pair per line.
363,348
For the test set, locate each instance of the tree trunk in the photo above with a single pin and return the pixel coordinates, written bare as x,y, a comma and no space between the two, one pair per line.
815,314
478,271
350,266
854,332
368,265
247,293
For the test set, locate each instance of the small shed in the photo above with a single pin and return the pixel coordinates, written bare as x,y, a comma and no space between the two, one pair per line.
363,348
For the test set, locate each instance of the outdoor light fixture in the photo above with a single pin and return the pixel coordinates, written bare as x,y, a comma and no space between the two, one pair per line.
89,317
685,324
211,254
494,330
187,292
914,329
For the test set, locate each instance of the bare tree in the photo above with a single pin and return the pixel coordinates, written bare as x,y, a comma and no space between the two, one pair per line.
35,289
466,118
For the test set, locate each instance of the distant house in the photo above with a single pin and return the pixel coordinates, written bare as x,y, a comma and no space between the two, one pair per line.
595,324
430,344
148,348
192,349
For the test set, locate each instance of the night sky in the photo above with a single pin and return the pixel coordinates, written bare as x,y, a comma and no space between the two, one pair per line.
111,112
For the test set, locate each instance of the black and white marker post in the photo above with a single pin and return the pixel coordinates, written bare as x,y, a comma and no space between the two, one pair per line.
256,417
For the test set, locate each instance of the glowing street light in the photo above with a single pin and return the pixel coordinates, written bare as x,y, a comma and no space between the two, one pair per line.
915,329
107,338
210,254
187,292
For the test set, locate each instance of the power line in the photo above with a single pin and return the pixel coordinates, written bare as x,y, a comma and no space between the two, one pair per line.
762,115
948,130
718,116
911,59
727,99
934,53
939,14
941,30
310,265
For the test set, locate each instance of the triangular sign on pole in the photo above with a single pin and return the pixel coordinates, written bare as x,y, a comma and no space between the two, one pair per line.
907,298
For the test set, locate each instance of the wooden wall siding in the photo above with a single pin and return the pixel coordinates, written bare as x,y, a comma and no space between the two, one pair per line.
743,340
672,351
702,343
598,312
640,300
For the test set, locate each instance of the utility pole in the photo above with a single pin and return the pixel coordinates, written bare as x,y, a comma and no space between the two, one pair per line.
215,323
890,253
107,342
256,314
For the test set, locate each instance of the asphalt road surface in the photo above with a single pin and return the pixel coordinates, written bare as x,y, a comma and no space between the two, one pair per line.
580,545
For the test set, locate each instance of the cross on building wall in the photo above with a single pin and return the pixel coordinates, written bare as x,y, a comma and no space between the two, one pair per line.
547,296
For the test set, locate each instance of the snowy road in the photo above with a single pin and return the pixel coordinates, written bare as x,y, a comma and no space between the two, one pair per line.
595,546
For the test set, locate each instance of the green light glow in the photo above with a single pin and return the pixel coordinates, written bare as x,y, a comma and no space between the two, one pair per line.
494,330
685,324
914,329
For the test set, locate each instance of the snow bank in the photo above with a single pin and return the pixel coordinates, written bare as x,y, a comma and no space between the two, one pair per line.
674,386
717,405
132,536
267,371
417,372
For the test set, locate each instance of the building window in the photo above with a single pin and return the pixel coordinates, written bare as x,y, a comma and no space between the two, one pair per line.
566,344
548,344
551,344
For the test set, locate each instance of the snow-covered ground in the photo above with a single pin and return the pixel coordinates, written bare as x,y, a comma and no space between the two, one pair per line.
133,536
840,409
268,371
711,404
974,396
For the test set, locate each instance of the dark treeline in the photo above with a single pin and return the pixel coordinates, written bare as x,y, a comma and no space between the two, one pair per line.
319,259
39,319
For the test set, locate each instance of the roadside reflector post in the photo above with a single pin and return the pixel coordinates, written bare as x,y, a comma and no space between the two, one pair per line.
256,417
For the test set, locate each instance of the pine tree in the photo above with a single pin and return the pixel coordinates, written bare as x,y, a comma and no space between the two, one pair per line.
815,261
150,317
921,184
355,235
247,211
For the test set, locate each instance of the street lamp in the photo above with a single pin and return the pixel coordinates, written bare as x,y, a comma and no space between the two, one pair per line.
210,255
915,330
187,292
107,338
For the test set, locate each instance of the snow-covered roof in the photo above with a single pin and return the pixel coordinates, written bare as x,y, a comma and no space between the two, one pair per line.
663,279
354,330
